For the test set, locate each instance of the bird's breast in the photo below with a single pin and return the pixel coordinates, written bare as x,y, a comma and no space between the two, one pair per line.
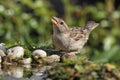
61,41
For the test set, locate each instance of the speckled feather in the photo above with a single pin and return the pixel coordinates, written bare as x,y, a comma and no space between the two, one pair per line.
77,33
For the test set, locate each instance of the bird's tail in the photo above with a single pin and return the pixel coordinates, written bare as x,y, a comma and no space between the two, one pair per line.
91,25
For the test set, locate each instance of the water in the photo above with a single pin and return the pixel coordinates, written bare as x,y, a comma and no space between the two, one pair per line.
23,72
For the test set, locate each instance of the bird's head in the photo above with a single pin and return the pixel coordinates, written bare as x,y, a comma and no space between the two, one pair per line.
59,26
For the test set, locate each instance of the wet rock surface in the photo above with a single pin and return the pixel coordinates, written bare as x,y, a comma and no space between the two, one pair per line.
15,52
2,50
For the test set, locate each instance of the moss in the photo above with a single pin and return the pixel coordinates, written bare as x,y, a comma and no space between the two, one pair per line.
83,70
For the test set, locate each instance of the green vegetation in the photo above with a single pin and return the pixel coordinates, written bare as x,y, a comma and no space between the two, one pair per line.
25,22
82,69
28,23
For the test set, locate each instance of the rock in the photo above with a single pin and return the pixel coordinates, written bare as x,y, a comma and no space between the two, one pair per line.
2,50
27,66
39,53
2,53
69,55
26,61
2,47
0,59
16,52
52,59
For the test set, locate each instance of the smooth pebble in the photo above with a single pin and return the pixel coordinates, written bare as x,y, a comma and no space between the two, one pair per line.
55,57
26,61
2,50
0,59
39,53
16,52
52,59
2,53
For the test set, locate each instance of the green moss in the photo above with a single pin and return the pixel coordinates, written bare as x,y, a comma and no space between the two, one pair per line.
84,70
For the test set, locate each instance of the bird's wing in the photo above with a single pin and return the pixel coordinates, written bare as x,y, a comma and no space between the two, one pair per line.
77,33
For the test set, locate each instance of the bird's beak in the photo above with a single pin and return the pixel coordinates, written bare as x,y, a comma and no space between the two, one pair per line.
54,20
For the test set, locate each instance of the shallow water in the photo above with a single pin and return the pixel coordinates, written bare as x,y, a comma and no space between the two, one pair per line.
23,72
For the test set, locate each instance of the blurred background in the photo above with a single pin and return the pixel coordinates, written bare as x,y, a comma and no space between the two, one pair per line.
28,22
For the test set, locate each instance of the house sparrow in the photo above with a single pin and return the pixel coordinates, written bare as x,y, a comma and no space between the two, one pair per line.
70,39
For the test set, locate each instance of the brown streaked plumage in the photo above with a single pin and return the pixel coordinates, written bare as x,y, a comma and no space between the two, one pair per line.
70,39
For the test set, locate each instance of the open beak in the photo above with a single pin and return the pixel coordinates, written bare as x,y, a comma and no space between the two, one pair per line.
54,20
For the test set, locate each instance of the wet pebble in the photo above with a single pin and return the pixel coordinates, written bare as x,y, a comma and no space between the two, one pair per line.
39,53
27,66
52,59
2,50
0,59
69,55
2,53
26,61
16,52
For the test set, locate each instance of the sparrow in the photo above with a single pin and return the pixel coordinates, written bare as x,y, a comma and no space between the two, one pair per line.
70,39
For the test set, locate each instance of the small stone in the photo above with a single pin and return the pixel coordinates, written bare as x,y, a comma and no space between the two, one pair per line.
27,66
2,53
2,47
2,50
26,61
69,55
39,53
55,57
0,59
16,52
52,59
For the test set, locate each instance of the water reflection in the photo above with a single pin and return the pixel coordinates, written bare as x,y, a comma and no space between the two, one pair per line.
23,72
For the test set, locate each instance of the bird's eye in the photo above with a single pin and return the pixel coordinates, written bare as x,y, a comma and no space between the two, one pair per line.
61,23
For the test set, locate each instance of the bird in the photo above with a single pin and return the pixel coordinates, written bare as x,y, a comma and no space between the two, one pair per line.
70,39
